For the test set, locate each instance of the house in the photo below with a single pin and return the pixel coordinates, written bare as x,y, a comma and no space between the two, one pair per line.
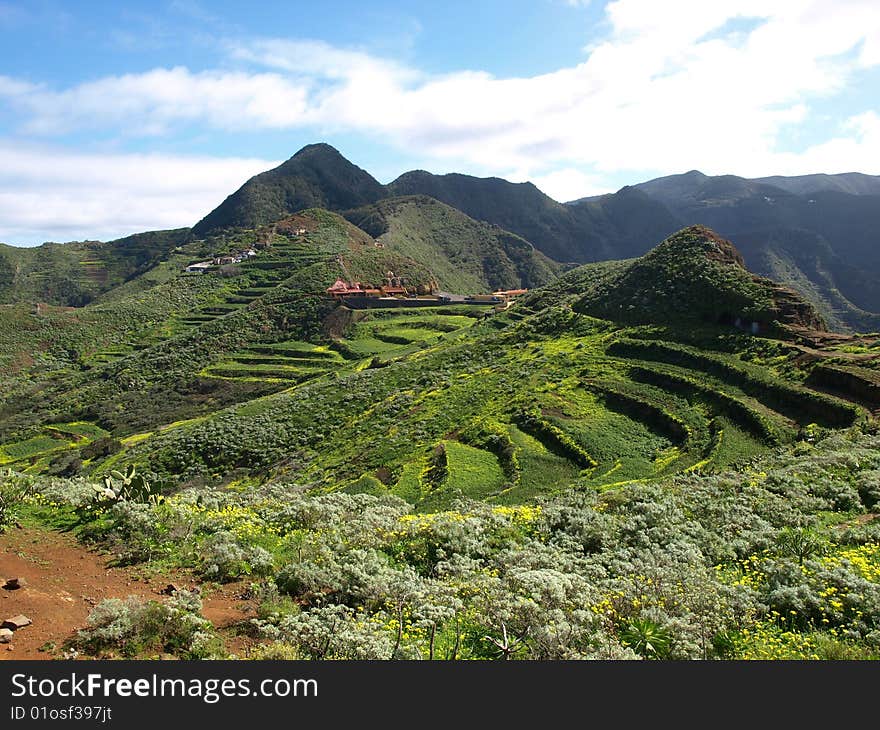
341,288
394,291
487,298
200,268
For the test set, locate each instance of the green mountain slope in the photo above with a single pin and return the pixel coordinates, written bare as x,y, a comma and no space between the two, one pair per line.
815,233
257,376
466,255
695,275
819,242
167,351
854,183
315,177
427,483
73,274
613,226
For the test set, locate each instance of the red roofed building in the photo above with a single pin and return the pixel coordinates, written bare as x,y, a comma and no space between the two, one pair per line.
342,288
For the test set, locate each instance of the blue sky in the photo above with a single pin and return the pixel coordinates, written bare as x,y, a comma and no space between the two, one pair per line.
121,117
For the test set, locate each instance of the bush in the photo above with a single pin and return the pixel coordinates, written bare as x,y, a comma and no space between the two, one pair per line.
223,558
104,446
13,491
133,626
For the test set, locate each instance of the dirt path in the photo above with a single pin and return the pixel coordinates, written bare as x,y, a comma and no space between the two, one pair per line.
65,579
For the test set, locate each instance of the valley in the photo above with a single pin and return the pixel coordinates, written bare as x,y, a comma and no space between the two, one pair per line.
660,445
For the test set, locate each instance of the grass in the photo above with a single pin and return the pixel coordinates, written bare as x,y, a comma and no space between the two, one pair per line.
541,471
471,472
32,447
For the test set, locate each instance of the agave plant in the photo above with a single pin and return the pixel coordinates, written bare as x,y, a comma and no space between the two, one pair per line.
647,638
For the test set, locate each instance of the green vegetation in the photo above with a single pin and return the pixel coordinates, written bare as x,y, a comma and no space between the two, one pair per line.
612,454
73,274
265,379
465,255
132,627
315,177
693,275
778,560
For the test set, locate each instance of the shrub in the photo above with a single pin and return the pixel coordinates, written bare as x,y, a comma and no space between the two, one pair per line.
13,491
332,632
134,626
100,447
223,558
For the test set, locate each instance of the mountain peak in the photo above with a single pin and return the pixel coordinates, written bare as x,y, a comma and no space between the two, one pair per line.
317,176
699,240
696,276
317,148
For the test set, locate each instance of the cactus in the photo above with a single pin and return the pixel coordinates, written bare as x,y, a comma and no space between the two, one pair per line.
118,486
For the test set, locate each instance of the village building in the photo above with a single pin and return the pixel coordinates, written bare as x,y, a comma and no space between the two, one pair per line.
341,288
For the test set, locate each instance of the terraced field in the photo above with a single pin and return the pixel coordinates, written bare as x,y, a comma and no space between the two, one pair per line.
380,336
35,453
268,379
283,361
389,333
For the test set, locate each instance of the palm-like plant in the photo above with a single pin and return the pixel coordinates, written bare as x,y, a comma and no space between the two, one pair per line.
646,638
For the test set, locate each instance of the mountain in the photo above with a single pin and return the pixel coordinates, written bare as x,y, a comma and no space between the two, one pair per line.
319,176
673,188
613,453
853,183
315,177
813,233
612,226
251,372
517,207
822,243
695,275
465,255
168,345
73,274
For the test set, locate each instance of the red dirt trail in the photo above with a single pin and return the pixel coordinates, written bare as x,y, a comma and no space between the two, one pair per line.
65,580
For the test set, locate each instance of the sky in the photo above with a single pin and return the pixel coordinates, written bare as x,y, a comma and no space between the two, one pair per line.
131,116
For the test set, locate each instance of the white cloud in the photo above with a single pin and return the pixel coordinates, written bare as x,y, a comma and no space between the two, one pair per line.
857,149
156,101
47,194
309,58
671,86
565,184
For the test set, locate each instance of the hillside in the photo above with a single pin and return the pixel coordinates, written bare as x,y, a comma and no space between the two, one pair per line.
422,483
466,255
73,274
179,345
819,242
695,275
853,183
519,208
612,226
315,177
812,233
596,378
